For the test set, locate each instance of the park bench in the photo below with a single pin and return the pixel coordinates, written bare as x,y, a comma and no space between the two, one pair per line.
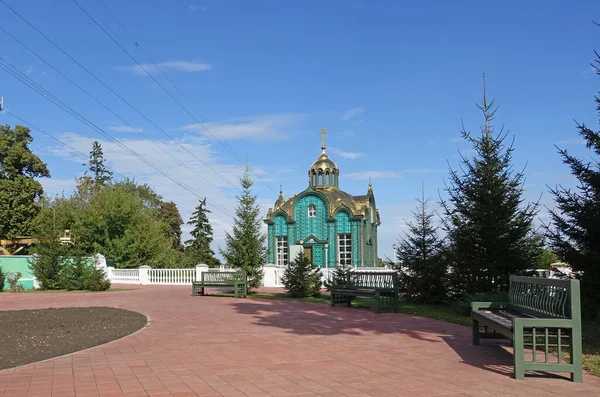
237,280
381,286
540,312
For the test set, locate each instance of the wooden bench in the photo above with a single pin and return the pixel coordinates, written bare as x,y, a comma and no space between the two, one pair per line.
540,312
237,280
382,286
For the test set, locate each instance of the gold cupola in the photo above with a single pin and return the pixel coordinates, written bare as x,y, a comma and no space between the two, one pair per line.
323,173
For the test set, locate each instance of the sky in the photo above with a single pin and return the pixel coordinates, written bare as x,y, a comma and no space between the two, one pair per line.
391,81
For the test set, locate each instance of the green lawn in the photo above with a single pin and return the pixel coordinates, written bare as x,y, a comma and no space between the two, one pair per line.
591,330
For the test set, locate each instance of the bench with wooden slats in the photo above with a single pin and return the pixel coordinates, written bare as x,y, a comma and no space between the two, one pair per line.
541,314
380,286
237,280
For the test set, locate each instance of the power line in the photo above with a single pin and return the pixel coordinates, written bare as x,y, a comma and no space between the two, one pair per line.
156,81
112,91
59,103
106,107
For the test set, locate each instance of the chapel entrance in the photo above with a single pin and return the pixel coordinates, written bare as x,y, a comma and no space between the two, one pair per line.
308,253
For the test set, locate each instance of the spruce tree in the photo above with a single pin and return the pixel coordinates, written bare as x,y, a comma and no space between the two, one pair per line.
420,258
198,248
489,228
301,279
245,246
99,173
574,232
170,215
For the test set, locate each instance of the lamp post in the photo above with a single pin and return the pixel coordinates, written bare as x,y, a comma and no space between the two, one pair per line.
326,256
395,248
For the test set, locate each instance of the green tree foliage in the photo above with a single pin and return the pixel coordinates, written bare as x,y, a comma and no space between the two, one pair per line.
574,232
47,263
2,279
301,279
421,262
489,229
245,247
169,213
547,257
198,249
19,189
100,175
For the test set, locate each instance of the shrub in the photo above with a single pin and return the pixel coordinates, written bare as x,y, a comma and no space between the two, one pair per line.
463,306
74,272
96,281
2,279
301,279
47,265
13,282
338,277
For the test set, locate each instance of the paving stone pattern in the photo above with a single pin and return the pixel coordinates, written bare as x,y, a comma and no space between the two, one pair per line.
215,346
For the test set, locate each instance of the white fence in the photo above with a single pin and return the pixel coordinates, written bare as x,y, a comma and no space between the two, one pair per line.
146,275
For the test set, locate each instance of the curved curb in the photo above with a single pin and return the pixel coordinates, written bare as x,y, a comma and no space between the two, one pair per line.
148,322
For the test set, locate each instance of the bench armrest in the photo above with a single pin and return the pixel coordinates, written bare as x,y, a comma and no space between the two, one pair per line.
488,305
543,322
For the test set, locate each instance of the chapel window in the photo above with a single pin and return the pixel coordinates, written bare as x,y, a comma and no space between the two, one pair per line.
312,211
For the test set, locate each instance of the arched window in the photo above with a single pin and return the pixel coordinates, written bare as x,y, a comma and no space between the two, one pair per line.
314,179
312,211
320,178
327,178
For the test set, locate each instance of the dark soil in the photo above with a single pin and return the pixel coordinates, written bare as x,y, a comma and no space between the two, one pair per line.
27,336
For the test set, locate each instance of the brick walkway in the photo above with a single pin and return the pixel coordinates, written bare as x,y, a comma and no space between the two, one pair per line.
210,346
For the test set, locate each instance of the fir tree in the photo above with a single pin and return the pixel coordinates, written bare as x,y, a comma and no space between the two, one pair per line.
198,248
172,218
301,279
489,229
420,258
100,174
338,277
574,233
245,247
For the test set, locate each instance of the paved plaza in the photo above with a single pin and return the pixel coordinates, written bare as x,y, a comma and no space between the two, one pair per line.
214,346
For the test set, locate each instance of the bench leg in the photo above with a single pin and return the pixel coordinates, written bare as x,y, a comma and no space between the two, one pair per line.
576,355
332,296
519,352
475,332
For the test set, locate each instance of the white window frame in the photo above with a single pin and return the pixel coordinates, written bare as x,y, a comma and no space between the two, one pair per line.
344,249
312,211
282,250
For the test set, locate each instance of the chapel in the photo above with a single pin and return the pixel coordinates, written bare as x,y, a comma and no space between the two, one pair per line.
326,224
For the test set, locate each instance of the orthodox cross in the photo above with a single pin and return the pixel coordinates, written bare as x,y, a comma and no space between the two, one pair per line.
323,133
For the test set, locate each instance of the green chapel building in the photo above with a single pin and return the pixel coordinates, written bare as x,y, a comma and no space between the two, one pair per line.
328,225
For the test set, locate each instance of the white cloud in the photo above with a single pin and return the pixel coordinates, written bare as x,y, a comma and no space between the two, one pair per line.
365,175
195,7
273,127
125,128
346,155
352,113
573,141
179,66
424,171
29,70
456,139
53,187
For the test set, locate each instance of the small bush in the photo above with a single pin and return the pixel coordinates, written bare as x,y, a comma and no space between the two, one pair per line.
338,277
2,279
74,272
96,281
13,282
463,306
301,279
48,264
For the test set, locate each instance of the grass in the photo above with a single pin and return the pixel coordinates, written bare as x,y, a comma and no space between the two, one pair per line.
443,312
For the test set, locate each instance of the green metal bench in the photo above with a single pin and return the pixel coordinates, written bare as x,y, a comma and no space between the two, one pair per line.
381,286
237,280
540,312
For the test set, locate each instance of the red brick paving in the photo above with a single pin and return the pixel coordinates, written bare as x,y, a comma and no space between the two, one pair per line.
212,346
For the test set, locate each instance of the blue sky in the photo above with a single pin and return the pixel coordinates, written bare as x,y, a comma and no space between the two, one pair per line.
390,81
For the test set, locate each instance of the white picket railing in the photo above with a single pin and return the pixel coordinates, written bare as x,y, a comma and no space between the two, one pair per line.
171,276
124,276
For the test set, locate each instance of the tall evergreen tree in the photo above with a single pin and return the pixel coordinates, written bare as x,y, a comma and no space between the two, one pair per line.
420,258
198,249
574,233
245,247
99,173
169,213
489,228
19,190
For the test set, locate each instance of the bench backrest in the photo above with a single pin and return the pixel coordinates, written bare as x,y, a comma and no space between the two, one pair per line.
223,277
384,280
545,297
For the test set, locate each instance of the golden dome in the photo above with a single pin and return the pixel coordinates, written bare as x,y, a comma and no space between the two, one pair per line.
323,163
